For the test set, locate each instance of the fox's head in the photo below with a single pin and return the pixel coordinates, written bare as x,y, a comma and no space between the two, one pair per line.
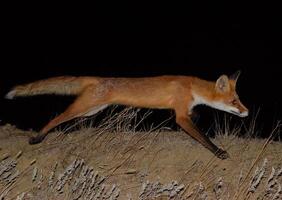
222,96
226,97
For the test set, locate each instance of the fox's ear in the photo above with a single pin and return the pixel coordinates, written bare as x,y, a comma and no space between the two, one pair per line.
222,84
235,76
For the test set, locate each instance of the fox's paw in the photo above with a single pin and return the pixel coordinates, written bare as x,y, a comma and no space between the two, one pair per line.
35,140
221,154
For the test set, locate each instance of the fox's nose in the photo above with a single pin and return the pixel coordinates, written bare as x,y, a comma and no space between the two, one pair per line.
244,114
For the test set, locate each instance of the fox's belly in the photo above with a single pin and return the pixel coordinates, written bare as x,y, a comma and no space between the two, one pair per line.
151,101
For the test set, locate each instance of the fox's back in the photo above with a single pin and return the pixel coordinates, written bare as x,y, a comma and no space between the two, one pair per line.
157,91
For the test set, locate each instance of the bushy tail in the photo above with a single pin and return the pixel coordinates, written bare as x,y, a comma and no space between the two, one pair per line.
65,85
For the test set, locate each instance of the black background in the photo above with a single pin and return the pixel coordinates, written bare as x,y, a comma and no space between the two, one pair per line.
134,40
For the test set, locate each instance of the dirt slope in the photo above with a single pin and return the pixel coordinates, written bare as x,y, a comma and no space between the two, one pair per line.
97,164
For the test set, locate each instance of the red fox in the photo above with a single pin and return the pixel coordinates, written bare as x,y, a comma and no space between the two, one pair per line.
180,93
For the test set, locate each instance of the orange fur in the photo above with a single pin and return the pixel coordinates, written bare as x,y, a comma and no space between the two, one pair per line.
180,93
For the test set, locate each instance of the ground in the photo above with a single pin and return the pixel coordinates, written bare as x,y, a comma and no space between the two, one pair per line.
102,163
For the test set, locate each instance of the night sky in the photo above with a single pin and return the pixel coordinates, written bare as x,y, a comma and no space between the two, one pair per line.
141,40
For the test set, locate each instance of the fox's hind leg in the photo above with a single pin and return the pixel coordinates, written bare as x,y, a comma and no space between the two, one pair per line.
85,105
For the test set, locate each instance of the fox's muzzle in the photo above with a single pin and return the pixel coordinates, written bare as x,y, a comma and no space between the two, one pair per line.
244,114
243,111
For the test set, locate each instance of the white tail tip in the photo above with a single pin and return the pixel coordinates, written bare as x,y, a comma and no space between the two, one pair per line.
11,94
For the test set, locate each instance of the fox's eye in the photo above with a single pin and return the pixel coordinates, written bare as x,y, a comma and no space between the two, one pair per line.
234,101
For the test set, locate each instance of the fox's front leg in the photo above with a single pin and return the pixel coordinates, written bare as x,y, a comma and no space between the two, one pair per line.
186,123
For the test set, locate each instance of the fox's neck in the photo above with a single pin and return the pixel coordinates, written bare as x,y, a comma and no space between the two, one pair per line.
202,93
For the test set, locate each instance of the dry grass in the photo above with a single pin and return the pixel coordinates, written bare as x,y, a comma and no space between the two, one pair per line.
115,161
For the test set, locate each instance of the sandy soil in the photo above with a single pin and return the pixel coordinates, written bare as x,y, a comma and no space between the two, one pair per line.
98,164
